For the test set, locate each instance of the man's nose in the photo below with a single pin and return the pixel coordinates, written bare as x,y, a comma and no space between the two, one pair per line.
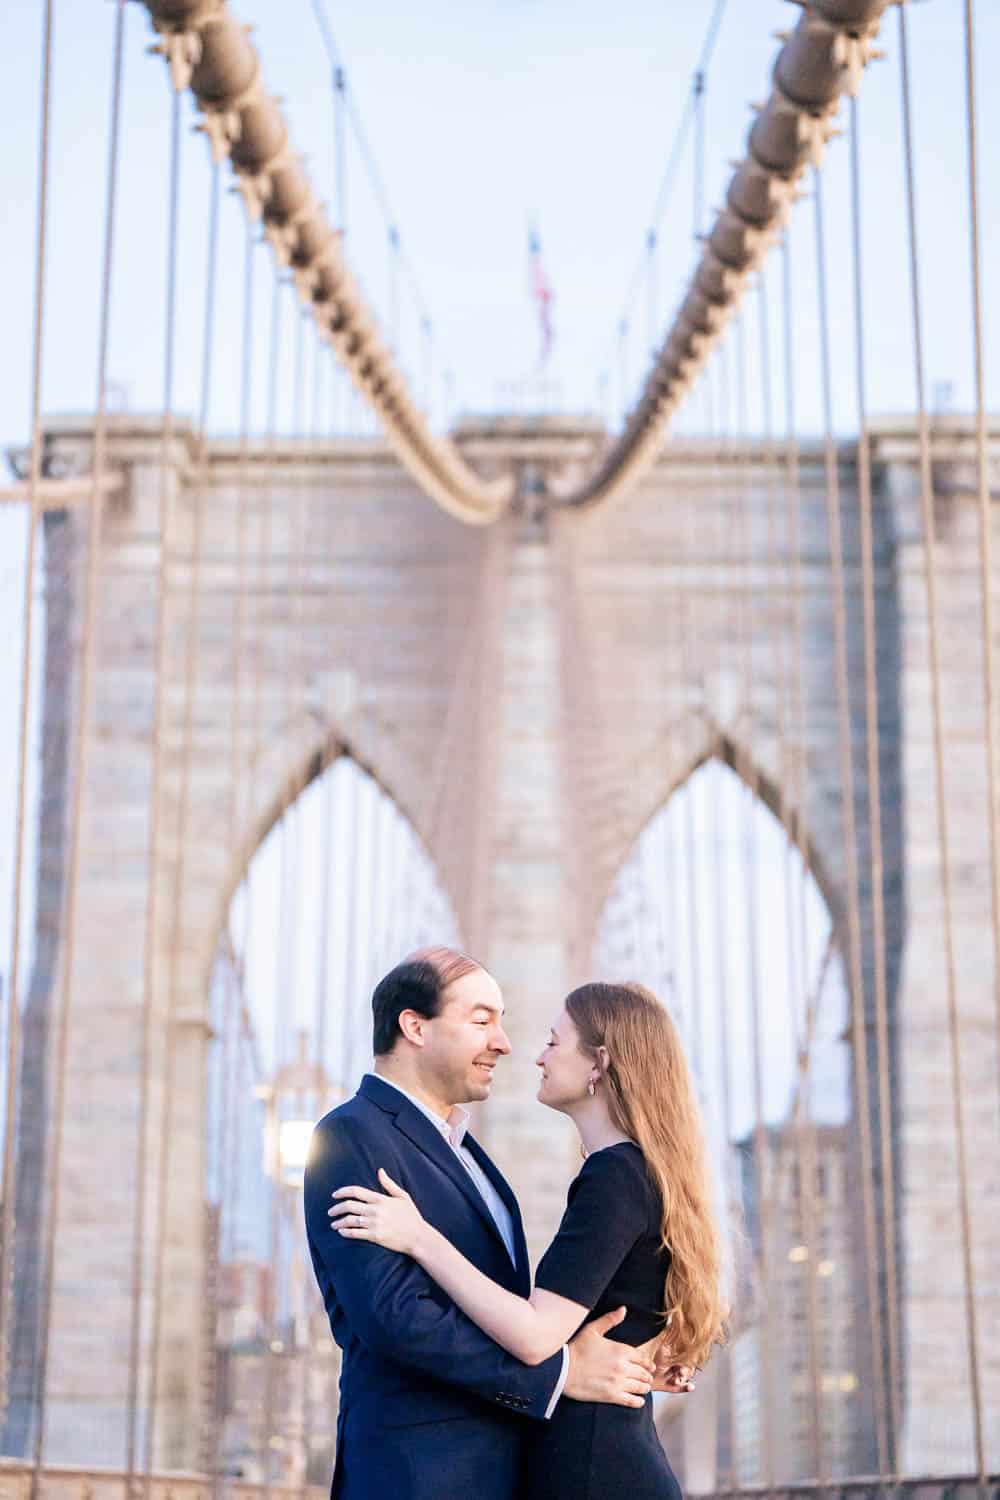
500,1042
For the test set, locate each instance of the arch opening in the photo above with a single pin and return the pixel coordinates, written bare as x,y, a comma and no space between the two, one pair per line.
339,889
716,910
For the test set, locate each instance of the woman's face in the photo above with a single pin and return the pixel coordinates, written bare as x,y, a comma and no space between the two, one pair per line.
566,1070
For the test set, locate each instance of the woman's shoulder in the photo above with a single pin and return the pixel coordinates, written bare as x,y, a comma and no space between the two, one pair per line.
619,1164
620,1169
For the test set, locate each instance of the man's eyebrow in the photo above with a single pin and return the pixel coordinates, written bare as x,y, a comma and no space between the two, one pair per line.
494,1010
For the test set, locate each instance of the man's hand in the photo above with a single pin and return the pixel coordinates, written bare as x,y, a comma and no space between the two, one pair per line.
602,1370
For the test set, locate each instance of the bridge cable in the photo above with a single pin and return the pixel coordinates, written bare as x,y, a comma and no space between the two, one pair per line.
985,522
80,760
166,504
747,767
346,108
847,782
716,538
804,1132
874,794
209,51
819,61
799,976
8,1180
674,159
263,729
928,528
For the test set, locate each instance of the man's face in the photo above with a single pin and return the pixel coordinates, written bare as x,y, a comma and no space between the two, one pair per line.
465,1041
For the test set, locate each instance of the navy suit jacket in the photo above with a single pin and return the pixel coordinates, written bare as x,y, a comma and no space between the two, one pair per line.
429,1405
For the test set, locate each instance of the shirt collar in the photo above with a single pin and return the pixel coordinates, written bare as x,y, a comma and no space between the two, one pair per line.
453,1128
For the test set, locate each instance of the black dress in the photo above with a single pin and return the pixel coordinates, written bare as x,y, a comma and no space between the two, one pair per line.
606,1254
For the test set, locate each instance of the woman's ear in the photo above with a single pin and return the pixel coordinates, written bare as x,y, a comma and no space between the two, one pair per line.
603,1058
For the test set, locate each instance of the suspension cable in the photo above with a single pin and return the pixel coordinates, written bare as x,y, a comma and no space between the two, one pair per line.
80,756
675,157
928,529
820,60
851,871
8,1180
210,52
747,767
985,508
805,1128
169,1041
873,768
804,1135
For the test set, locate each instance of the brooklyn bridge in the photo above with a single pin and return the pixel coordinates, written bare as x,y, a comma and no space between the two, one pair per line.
307,661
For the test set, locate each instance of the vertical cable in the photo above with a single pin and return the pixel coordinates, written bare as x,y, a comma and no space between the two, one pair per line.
873,768
720,815
623,369
80,748
652,313
167,1114
8,1180
349,970
151,932
698,155
394,291
340,146
852,876
985,517
751,798
805,1130
930,583
427,377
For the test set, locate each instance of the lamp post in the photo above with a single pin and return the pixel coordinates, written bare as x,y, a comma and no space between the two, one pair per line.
299,1092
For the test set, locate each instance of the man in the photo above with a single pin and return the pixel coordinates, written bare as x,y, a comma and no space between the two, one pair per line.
430,1408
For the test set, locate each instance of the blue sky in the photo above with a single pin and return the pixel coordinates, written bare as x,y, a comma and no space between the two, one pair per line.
483,117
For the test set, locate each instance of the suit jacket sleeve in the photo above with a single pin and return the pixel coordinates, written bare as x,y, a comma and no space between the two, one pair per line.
392,1305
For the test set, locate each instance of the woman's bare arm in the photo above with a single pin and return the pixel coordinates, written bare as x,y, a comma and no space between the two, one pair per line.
531,1329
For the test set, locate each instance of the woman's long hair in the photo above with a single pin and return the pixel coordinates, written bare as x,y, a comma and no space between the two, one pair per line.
652,1101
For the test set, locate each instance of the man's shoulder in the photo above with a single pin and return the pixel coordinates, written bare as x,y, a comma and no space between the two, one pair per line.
354,1118
345,1131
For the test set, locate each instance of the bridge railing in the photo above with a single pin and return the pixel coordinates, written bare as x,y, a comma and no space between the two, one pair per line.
70,1482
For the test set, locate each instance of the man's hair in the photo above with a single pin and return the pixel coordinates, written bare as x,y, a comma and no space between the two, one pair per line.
418,983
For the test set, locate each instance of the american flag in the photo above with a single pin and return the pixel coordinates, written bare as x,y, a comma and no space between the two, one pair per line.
542,293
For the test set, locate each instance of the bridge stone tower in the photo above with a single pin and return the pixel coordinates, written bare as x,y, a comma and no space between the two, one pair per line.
592,708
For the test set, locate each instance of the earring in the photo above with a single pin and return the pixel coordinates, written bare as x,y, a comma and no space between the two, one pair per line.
591,1088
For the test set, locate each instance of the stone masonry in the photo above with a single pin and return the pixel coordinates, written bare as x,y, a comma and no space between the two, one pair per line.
622,647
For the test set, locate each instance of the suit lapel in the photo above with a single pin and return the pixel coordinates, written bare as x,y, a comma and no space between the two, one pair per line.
427,1138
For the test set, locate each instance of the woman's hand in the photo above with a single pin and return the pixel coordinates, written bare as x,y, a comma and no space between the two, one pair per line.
390,1219
677,1379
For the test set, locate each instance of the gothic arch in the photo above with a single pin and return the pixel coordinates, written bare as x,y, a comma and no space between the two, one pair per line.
726,749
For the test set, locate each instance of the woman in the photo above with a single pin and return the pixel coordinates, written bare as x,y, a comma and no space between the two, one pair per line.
638,1232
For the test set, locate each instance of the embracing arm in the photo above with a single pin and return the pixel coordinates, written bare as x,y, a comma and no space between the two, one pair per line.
531,1329
392,1305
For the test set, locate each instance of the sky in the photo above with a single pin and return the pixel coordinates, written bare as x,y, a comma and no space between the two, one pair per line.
483,119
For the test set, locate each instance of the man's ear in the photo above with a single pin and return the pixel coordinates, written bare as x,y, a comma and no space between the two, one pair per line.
413,1026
